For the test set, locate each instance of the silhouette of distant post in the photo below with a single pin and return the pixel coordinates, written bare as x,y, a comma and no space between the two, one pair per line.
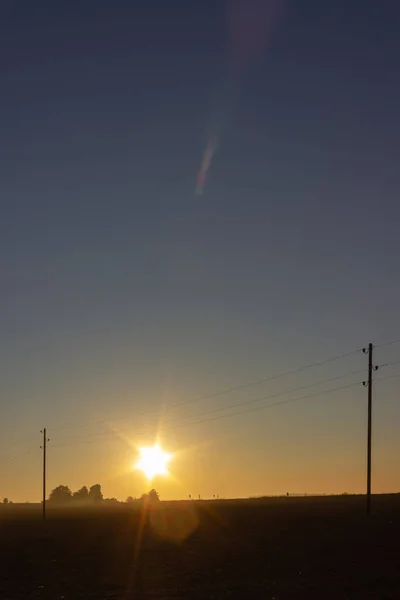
368,384
44,448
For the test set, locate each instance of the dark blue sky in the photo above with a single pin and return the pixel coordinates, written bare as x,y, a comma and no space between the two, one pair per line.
119,284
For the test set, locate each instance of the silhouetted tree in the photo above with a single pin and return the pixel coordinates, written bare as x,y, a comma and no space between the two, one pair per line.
154,496
95,493
60,495
130,499
82,494
111,501
5,501
151,496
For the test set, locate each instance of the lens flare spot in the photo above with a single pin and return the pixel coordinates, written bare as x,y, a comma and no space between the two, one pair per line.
174,522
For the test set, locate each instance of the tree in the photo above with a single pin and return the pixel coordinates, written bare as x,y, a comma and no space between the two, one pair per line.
5,501
130,500
60,495
151,496
82,494
111,501
95,493
154,495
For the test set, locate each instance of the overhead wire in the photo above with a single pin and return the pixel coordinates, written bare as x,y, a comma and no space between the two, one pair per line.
10,457
116,436
231,406
391,343
238,404
389,364
396,376
218,393
220,417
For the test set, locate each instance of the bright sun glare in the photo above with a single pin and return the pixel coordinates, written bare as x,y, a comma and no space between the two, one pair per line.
153,461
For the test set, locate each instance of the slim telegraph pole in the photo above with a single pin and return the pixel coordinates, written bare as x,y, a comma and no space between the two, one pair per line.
44,448
368,384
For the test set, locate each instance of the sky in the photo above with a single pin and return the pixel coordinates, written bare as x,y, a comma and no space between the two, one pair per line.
123,292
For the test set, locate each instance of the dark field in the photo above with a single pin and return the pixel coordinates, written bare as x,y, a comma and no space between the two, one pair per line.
295,548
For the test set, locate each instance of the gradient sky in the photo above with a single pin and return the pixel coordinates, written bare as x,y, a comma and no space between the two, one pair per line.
123,292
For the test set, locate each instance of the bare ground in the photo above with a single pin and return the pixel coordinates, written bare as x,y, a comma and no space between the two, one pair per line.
282,549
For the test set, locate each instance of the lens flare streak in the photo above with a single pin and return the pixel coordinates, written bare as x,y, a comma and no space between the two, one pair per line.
205,165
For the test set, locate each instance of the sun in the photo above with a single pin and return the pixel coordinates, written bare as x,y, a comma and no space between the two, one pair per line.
153,461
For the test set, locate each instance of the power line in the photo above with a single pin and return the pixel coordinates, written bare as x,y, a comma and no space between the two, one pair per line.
390,364
268,406
278,394
396,376
236,405
10,457
116,435
387,343
290,401
221,392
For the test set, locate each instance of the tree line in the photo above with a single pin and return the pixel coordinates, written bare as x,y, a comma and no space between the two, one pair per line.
62,494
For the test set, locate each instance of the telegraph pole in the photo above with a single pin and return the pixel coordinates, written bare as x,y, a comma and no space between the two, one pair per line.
44,448
368,384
